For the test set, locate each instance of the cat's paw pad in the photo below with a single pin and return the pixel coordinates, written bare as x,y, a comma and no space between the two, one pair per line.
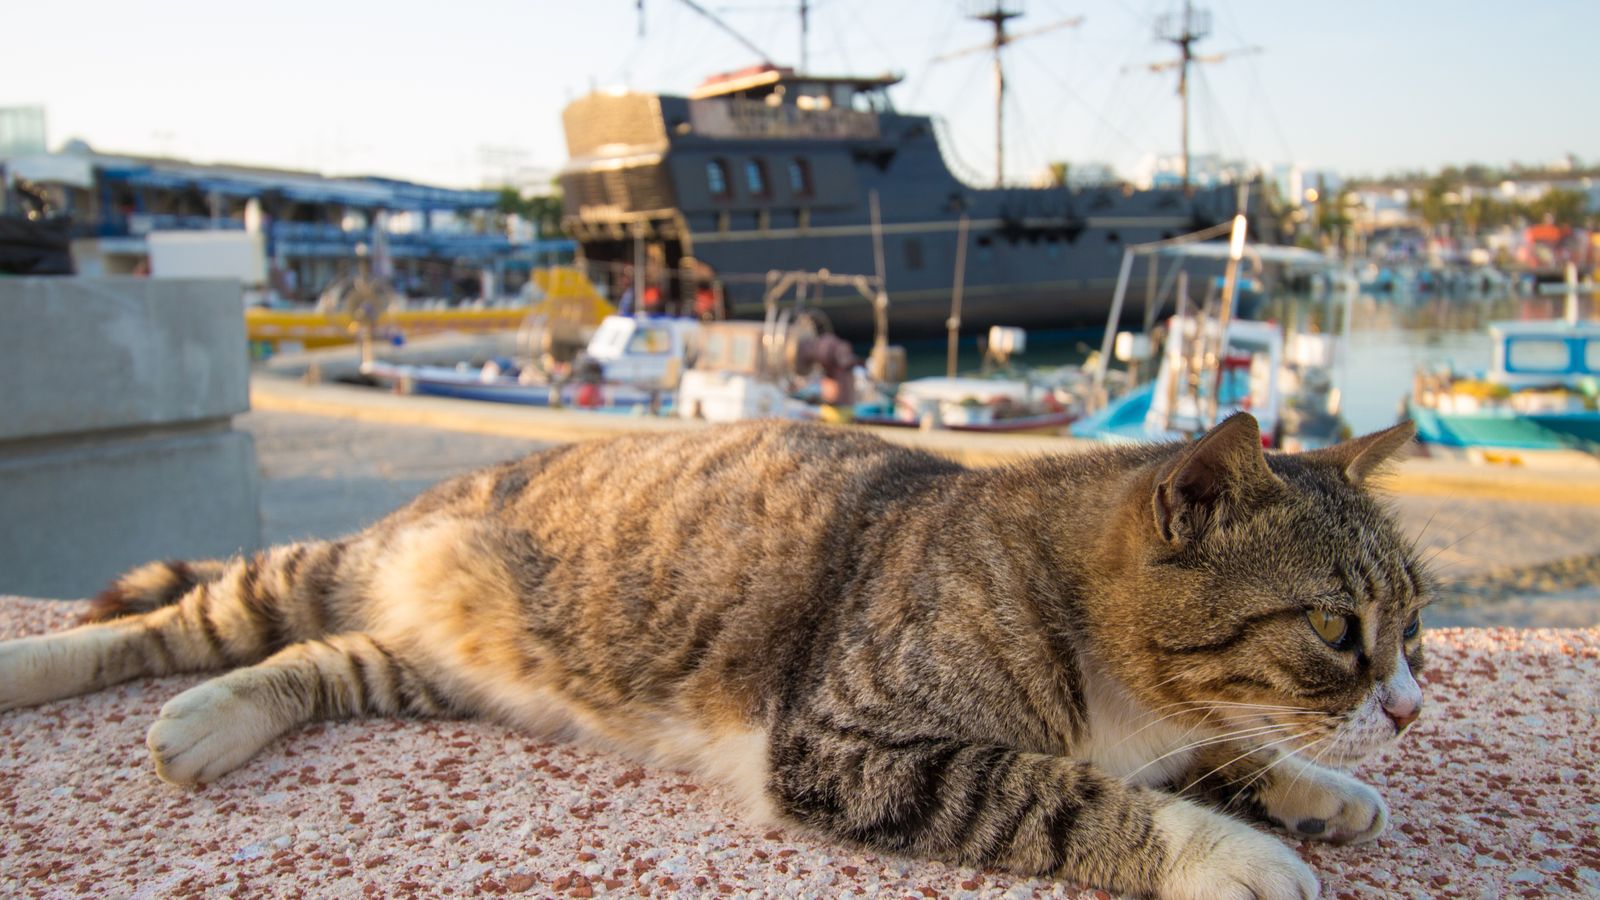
1213,857
205,733
1323,805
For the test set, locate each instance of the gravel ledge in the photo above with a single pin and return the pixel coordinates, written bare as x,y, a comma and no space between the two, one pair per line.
1495,794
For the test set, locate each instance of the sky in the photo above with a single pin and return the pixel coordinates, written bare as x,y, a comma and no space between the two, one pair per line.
457,93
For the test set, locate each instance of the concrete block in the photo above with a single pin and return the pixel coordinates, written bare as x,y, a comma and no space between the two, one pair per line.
116,448
72,517
92,354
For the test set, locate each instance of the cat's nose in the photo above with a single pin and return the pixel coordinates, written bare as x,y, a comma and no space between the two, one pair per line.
1401,696
1403,714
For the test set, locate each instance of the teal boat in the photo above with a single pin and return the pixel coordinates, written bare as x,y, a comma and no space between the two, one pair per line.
1539,392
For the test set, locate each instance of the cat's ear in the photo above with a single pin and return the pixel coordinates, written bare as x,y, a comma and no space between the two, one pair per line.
1358,458
1212,479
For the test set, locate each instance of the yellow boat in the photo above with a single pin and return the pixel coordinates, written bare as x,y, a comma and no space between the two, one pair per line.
568,295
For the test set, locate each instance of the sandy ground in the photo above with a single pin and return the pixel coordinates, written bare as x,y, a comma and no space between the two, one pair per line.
1492,794
325,477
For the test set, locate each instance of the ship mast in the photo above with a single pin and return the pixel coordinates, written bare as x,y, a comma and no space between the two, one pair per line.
997,13
1183,30
998,16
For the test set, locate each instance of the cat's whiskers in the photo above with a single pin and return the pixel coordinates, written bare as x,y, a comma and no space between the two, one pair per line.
1259,731
1205,707
1454,521
1329,745
1282,758
1166,681
1252,750
1435,554
1308,709
1418,539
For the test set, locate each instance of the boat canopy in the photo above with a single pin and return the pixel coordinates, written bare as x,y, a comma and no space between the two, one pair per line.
763,80
1543,353
1292,257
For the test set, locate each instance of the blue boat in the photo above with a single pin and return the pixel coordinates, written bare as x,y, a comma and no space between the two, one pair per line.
1539,392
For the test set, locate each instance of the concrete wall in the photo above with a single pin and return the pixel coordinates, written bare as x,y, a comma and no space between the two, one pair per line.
116,445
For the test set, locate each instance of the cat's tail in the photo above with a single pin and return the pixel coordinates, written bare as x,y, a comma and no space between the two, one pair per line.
150,587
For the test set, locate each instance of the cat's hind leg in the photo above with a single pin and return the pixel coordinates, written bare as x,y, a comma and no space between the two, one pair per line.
212,729
238,617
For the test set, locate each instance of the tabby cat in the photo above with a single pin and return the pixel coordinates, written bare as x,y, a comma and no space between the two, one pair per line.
1074,666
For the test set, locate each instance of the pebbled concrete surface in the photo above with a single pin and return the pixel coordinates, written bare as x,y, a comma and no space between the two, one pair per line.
1493,794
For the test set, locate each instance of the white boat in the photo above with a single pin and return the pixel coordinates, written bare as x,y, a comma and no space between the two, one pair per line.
630,362
1214,364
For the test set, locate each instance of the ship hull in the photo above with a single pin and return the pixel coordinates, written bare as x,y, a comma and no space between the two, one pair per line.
667,195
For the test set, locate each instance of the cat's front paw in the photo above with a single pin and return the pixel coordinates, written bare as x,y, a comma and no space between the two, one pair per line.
1213,857
1320,804
205,733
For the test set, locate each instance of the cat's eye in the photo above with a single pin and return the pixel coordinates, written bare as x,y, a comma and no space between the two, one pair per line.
1414,628
1336,630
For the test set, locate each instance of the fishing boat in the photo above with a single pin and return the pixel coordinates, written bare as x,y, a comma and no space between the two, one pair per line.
632,363
1001,398
1538,394
1283,384
1217,357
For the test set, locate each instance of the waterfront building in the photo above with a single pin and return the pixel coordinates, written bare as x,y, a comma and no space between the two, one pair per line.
441,240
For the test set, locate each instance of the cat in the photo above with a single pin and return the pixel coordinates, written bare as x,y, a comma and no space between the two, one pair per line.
1078,666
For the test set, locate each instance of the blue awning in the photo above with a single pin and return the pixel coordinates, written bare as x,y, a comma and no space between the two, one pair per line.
365,192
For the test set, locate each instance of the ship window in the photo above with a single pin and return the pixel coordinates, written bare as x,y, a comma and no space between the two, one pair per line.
799,177
1536,355
1591,356
755,177
717,177
913,253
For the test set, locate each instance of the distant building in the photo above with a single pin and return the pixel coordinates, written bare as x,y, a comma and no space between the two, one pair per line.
22,130
1091,174
315,227
1205,170
1295,181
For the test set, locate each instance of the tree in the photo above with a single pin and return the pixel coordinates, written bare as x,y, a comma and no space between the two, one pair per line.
541,209
1562,206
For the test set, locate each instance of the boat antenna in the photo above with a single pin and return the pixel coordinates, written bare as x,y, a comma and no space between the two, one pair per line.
1183,30
805,30
997,13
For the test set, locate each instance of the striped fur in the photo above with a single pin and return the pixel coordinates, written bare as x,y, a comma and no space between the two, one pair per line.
151,587
1072,666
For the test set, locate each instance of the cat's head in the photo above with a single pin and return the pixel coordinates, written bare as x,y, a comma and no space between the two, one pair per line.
1272,596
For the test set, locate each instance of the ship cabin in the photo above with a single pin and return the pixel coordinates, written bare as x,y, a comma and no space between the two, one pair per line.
688,201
